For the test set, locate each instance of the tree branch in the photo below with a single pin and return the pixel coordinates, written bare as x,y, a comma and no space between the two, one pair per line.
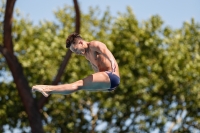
63,65
43,99
78,17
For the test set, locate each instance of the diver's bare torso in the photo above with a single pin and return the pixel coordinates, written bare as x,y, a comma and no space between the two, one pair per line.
99,60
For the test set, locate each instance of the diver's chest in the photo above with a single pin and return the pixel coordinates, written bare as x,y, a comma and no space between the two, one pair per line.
92,56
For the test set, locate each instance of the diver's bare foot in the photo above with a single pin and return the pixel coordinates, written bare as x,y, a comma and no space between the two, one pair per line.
44,89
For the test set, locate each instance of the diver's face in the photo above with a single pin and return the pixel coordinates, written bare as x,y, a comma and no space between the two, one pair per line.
78,48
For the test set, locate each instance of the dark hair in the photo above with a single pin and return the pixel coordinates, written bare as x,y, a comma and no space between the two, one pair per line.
71,39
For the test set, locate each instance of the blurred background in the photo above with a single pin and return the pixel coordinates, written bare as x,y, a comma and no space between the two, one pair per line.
156,44
174,13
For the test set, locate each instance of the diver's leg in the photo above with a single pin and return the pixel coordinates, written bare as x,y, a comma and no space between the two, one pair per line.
96,82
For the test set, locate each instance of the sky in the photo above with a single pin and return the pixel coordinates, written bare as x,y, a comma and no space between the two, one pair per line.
173,12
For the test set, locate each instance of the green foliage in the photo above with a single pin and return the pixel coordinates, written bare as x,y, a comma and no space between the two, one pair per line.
159,68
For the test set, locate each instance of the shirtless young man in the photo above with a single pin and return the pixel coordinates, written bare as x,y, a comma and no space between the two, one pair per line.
105,78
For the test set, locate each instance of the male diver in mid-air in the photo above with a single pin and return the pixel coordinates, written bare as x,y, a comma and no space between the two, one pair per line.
105,78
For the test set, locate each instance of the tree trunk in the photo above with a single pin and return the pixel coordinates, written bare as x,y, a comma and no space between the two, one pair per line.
16,69
17,72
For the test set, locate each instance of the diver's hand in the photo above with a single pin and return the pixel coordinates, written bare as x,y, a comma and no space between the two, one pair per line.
113,65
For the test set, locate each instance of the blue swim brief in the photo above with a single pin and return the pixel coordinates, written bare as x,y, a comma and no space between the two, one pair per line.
114,80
